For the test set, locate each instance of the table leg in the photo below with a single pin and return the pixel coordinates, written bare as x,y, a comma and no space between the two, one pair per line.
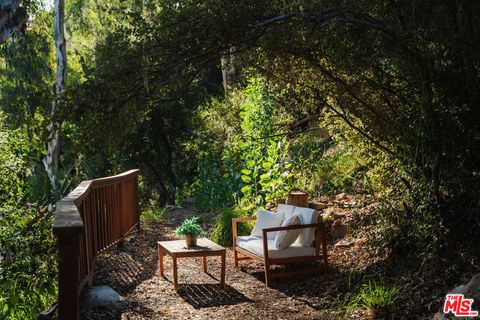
222,275
204,264
175,276
160,260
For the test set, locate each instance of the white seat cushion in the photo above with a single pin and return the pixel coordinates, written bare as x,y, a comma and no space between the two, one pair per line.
285,238
286,209
307,216
255,246
267,219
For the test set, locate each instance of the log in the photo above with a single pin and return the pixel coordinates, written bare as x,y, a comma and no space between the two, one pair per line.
317,205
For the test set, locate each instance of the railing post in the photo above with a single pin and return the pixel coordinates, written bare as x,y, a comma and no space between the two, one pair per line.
68,228
68,276
137,209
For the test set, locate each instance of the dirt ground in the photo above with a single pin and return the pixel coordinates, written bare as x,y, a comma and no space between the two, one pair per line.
132,270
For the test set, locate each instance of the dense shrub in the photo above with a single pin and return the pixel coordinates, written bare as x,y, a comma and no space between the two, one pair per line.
27,254
249,166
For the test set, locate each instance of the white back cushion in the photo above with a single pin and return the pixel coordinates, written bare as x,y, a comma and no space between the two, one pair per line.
307,216
267,219
286,209
285,238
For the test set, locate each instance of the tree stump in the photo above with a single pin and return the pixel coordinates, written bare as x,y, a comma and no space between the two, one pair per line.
297,198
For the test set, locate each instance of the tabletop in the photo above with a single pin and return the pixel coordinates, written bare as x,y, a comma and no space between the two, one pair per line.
180,246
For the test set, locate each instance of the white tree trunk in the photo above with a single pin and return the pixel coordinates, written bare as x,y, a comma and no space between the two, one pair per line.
52,159
228,69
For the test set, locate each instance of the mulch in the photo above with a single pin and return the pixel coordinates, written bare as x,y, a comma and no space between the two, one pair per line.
132,270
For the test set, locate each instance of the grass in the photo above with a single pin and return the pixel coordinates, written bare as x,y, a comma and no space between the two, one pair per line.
375,298
153,214
222,233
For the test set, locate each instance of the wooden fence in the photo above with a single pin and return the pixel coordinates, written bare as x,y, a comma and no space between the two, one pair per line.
93,217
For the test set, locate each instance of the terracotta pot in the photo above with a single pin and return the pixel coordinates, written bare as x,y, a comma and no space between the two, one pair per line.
191,240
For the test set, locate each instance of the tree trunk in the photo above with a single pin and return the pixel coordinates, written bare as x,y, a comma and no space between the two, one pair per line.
12,18
297,198
228,69
51,161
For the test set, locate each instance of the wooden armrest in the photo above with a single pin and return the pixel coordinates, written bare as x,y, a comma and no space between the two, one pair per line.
298,226
235,220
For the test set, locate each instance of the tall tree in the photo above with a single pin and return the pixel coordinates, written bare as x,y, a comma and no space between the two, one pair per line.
51,161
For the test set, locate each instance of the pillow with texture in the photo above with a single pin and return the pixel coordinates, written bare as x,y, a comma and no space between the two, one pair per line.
286,209
267,219
285,238
307,216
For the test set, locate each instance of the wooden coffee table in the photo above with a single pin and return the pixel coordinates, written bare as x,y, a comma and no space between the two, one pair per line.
178,249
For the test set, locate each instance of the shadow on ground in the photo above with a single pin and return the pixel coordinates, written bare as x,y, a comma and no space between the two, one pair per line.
210,295
129,264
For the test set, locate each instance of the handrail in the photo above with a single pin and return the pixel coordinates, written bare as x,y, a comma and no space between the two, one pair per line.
94,216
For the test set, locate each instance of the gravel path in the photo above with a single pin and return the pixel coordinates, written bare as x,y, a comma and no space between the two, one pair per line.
132,271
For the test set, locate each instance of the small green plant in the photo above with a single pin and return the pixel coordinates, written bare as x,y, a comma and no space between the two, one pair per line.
189,227
374,297
153,214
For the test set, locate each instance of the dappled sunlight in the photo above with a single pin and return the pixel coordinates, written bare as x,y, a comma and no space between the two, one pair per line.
132,270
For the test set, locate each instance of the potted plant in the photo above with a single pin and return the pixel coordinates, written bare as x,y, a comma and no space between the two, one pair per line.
191,230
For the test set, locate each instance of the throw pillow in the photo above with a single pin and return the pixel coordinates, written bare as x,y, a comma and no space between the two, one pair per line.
285,238
307,216
266,219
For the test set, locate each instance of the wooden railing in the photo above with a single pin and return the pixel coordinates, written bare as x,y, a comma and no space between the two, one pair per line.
94,216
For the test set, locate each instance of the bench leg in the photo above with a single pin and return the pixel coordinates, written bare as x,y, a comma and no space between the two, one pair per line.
235,257
204,264
267,273
324,250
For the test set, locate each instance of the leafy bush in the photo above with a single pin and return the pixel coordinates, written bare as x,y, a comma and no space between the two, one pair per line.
189,227
249,161
222,233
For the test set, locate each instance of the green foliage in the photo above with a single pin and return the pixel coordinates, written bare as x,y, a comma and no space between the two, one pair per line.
392,85
153,214
189,227
255,165
265,167
27,254
26,74
375,297
222,233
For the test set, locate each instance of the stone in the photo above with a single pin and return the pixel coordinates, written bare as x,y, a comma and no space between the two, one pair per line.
341,196
471,289
439,316
338,215
343,244
99,296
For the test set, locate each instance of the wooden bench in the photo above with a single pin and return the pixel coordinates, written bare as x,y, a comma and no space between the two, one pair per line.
320,252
